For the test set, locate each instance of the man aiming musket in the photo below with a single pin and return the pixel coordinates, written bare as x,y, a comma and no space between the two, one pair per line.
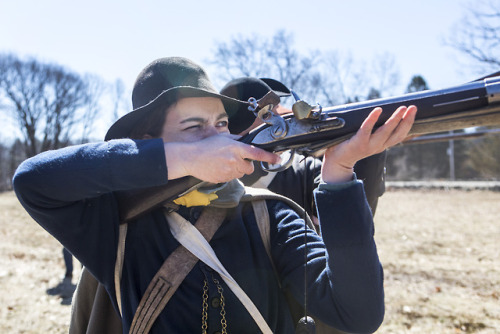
312,129
182,131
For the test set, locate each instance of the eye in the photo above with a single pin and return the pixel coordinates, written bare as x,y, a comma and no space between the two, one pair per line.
222,124
193,127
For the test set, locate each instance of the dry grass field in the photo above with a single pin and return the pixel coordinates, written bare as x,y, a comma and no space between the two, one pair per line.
440,250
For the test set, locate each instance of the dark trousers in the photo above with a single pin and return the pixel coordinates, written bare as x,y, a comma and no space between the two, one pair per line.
68,262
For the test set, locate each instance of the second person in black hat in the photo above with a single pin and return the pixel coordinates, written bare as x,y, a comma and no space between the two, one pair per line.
290,182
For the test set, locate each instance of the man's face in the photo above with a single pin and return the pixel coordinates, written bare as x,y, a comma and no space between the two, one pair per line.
194,118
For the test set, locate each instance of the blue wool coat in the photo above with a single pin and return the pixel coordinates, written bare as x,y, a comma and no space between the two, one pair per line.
70,192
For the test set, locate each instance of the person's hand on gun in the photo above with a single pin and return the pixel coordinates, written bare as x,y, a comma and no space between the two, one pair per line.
215,159
339,160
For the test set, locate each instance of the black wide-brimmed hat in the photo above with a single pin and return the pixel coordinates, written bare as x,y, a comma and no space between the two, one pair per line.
163,82
245,88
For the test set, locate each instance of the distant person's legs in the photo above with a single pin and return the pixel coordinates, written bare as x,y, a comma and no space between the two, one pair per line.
68,261
65,288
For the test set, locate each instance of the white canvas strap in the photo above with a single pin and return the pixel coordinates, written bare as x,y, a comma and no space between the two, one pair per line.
265,181
191,238
120,254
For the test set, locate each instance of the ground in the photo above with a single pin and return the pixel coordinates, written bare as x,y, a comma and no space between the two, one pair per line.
439,249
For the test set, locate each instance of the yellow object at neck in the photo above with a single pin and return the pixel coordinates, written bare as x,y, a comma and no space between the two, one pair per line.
195,198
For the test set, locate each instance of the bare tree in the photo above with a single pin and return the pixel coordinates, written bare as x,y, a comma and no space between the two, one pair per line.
341,80
384,73
48,102
4,168
95,89
241,56
344,79
260,57
477,35
118,98
329,79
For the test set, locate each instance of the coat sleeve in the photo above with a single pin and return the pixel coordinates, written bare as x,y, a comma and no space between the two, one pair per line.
70,193
344,274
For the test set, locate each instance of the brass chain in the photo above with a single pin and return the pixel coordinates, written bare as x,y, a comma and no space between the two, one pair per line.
204,314
223,321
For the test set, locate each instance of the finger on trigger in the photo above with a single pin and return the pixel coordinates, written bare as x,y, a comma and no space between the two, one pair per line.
258,154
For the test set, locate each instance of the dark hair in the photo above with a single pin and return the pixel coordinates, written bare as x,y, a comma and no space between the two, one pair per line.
151,125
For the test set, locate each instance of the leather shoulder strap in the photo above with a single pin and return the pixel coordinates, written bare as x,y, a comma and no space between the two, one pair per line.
172,273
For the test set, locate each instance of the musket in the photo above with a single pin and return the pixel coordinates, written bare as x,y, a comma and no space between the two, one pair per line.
311,129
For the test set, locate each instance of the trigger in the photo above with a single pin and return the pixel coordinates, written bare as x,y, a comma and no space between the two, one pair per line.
286,156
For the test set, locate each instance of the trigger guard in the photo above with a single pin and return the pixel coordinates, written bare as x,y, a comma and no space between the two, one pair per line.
279,168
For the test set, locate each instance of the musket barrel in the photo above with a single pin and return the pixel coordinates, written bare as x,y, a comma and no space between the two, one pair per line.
438,110
430,103
493,89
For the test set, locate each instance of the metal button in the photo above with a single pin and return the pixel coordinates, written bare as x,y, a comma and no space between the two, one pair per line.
215,302
195,214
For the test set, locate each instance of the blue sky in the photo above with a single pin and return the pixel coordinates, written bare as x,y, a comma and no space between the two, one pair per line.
116,39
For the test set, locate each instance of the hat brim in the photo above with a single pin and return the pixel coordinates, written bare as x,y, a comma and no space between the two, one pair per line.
124,125
280,89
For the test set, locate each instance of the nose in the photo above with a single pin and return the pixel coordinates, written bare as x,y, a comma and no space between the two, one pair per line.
210,131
